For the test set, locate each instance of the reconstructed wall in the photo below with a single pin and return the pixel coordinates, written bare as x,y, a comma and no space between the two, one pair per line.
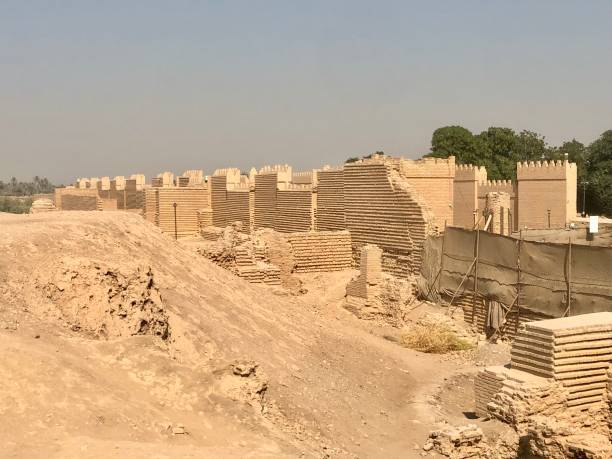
330,208
80,202
498,206
498,186
433,180
219,183
150,204
189,200
294,209
468,179
76,199
265,200
362,292
546,186
383,209
321,250
238,206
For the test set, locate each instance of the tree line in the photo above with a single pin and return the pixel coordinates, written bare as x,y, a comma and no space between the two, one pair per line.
499,149
16,188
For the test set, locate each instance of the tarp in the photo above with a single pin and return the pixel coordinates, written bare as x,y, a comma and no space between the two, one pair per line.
543,273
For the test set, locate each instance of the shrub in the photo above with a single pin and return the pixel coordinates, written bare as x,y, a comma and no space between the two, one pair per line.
436,339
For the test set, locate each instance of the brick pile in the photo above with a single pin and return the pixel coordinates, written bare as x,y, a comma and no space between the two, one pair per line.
576,351
524,395
42,205
321,251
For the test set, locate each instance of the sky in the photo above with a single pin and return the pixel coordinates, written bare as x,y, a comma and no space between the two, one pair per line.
95,88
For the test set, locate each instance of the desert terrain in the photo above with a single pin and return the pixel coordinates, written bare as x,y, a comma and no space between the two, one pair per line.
118,341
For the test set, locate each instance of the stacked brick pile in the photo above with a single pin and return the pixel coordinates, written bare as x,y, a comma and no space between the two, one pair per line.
574,350
42,205
487,383
524,395
321,251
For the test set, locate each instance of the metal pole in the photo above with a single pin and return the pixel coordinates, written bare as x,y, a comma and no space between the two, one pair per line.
569,278
175,228
518,283
475,285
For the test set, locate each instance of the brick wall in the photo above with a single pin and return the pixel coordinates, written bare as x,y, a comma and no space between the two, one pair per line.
468,178
546,186
433,179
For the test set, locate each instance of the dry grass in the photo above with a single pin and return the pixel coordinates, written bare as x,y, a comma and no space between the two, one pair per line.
434,339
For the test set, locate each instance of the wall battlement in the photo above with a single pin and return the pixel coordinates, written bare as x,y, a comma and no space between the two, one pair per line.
231,174
294,187
284,172
544,170
470,173
428,167
104,183
304,177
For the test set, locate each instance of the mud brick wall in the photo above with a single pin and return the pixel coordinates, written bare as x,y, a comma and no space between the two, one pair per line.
432,179
321,251
238,207
544,185
383,209
498,186
80,202
76,199
218,199
468,178
499,208
150,204
265,200
330,209
294,209
189,200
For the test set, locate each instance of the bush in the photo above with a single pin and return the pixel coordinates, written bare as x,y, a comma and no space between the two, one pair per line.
15,205
436,339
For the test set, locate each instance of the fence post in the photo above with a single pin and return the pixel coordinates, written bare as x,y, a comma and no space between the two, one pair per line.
442,261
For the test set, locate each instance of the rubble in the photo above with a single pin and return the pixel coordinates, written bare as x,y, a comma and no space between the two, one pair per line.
458,442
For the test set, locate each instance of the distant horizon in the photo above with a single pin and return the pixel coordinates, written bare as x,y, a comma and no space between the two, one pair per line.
115,88
209,171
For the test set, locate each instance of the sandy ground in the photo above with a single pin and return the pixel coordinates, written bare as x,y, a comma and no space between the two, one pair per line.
117,341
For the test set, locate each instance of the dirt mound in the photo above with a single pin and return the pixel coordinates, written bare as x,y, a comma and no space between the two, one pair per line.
89,297
106,300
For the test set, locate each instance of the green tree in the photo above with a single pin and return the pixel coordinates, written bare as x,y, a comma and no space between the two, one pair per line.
499,151
599,175
456,141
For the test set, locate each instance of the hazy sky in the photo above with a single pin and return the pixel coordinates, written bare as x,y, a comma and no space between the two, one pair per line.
117,87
